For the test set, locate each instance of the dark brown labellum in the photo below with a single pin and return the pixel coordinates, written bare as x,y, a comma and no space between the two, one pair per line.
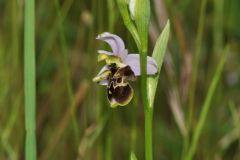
119,92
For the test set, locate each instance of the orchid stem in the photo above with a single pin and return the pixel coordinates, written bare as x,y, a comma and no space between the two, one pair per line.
148,132
148,110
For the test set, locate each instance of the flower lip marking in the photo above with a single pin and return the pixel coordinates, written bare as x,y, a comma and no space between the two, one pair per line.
120,67
119,92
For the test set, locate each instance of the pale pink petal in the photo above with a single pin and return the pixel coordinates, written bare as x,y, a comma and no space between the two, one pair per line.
123,54
133,60
113,40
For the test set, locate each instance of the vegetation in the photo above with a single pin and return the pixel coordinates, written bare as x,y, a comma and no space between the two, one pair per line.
190,110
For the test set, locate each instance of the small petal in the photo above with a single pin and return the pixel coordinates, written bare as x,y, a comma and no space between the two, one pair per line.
121,55
102,76
114,41
133,60
106,53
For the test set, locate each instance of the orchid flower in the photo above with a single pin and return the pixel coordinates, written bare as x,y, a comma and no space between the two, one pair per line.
120,67
120,55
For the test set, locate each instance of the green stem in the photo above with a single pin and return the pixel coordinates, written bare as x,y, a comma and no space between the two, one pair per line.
142,17
148,133
30,79
147,108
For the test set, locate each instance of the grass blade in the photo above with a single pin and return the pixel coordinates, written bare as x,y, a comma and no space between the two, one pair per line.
30,79
206,106
196,61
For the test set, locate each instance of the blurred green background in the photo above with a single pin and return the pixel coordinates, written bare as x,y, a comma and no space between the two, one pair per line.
74,119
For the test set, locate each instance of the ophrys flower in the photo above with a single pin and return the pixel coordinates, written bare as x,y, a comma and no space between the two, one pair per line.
120,67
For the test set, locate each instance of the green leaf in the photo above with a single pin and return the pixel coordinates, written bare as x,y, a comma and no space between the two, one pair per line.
123,7
158,54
